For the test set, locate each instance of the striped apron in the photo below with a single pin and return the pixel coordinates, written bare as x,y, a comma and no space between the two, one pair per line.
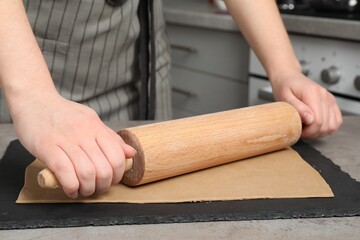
92,52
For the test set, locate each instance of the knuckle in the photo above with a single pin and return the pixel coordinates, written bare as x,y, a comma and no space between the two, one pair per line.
86,173
93,117
340,121
318,123
331,130
118,164
323,131
104,174
314,90
323,91
333,99
60,167
333,127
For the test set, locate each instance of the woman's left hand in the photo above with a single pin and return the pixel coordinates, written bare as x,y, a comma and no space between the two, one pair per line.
317,107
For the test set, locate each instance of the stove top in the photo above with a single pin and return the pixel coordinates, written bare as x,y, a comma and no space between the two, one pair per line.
353,16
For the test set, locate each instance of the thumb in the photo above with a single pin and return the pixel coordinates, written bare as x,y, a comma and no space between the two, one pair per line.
306,117
305,112
128,150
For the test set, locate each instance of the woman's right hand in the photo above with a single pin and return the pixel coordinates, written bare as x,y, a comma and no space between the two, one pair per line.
85,155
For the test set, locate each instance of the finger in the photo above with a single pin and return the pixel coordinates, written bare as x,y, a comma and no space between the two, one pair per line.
339,119
332,124
312,131
328,122
63,169
327,115
114,153
306,115
304,111
309,131
316,100
332,114
84,168
103,170
337,113
127,149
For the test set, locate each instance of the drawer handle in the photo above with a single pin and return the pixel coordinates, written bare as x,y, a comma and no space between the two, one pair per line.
184,48
266,93
183,92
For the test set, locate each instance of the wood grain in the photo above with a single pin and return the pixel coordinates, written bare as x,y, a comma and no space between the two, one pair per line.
185,145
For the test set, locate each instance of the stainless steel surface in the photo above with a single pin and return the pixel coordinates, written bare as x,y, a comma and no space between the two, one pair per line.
286,4
200,13
339,57
265,93
343,148
305,68
256,87
187,49
186,93
331,75
357,82
336,5
332,63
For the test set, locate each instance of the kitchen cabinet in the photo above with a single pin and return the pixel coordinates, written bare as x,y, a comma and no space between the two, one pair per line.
209,70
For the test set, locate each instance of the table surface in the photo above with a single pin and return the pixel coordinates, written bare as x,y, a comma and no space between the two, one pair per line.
343,148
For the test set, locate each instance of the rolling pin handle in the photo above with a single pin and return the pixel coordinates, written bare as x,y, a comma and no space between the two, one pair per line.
47,179
128,164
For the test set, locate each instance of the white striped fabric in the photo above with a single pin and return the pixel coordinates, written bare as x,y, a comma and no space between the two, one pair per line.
91,49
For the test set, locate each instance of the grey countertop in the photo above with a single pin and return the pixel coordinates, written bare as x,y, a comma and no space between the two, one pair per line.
200,13
343,148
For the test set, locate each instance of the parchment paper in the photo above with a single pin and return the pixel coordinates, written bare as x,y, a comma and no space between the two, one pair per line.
281,174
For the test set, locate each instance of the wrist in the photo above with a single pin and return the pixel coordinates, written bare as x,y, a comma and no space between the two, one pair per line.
20,93
22,86
282,70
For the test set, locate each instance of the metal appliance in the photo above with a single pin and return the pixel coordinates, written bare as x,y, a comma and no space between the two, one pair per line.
335,5
320,5
333,63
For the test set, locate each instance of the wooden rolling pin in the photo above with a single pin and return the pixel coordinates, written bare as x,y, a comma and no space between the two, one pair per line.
176,147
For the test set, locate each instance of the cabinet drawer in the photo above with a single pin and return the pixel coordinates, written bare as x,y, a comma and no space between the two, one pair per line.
213,51
202,93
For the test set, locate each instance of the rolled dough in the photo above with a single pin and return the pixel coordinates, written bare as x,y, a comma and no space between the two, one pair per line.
281,174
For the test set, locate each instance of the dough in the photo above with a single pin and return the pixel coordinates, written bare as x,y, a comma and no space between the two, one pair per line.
281,174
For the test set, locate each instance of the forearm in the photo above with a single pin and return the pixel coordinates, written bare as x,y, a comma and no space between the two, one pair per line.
262,26
68,137
23,70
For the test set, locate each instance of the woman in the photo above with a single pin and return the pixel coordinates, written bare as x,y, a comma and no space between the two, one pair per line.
90,55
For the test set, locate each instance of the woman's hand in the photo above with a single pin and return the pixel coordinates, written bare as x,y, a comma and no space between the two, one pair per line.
69,138
262,26
85,155
317,107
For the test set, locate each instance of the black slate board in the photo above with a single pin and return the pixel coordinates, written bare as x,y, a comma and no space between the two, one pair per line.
13,216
